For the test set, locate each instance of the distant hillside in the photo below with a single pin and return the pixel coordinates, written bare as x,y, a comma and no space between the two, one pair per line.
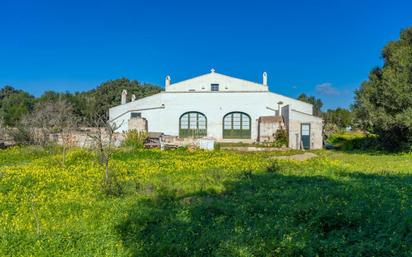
14,104
108,94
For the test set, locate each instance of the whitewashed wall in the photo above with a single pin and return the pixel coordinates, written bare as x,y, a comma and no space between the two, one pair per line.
226,83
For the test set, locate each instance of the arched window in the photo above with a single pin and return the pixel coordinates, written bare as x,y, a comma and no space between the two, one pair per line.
192,124
237,125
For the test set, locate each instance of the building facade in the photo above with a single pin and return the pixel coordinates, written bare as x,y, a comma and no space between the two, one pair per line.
224,108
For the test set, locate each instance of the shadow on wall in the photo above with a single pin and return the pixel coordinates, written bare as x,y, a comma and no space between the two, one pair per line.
277,215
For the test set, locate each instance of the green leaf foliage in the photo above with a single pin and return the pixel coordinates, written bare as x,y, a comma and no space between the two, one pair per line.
383,104
316,102
14,104
341,117
108,94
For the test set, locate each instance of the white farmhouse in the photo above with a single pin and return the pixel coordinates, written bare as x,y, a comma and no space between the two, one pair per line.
224,108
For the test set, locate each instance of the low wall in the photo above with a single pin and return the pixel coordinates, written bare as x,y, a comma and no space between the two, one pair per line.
83,137
80,137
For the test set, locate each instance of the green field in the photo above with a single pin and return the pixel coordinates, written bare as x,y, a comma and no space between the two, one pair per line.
221,203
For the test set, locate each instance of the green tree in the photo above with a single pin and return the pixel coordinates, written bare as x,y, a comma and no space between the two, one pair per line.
316,102
76,100
340,117
14,104
96,102
383,104
108,94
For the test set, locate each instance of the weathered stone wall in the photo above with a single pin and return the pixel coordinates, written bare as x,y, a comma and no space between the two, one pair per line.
316,135
268,126
83,137
139,124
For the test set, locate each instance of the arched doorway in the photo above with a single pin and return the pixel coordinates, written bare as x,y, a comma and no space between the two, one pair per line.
237,125
193,124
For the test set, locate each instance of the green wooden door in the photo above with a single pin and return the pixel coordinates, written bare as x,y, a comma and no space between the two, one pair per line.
236,125
193,124
305,135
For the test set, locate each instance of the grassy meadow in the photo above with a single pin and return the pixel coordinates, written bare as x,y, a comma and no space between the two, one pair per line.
198,203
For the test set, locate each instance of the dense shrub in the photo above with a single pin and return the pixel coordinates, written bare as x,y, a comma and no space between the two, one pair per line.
21,135
281,138
134,138
349,141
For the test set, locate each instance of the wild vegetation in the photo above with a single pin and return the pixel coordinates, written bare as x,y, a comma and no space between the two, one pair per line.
198,203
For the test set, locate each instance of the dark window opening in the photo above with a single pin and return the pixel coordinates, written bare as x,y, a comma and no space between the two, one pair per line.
136,115
214,87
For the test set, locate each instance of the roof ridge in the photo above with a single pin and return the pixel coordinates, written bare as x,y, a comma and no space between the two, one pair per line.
219,74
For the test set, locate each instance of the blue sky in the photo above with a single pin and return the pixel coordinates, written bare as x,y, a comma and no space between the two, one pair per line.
321,48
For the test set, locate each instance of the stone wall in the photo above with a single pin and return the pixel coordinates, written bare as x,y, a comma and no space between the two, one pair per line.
268,126
139,124
82,137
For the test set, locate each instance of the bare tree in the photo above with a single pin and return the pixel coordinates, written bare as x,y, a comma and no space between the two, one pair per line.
64,122
37,123
103,138
48,118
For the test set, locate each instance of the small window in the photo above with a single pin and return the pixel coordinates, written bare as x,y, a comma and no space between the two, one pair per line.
214,87
135,115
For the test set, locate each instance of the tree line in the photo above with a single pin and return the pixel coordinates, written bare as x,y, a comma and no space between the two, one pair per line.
334,119
17,106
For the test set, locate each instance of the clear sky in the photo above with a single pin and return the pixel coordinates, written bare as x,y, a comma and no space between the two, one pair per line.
322,48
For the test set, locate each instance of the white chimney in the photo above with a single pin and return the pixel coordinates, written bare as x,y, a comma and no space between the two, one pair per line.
167,83
124,95
265,79
133,97
279,109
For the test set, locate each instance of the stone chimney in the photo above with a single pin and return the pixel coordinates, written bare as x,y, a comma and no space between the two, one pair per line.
124,96
167,83
265,79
